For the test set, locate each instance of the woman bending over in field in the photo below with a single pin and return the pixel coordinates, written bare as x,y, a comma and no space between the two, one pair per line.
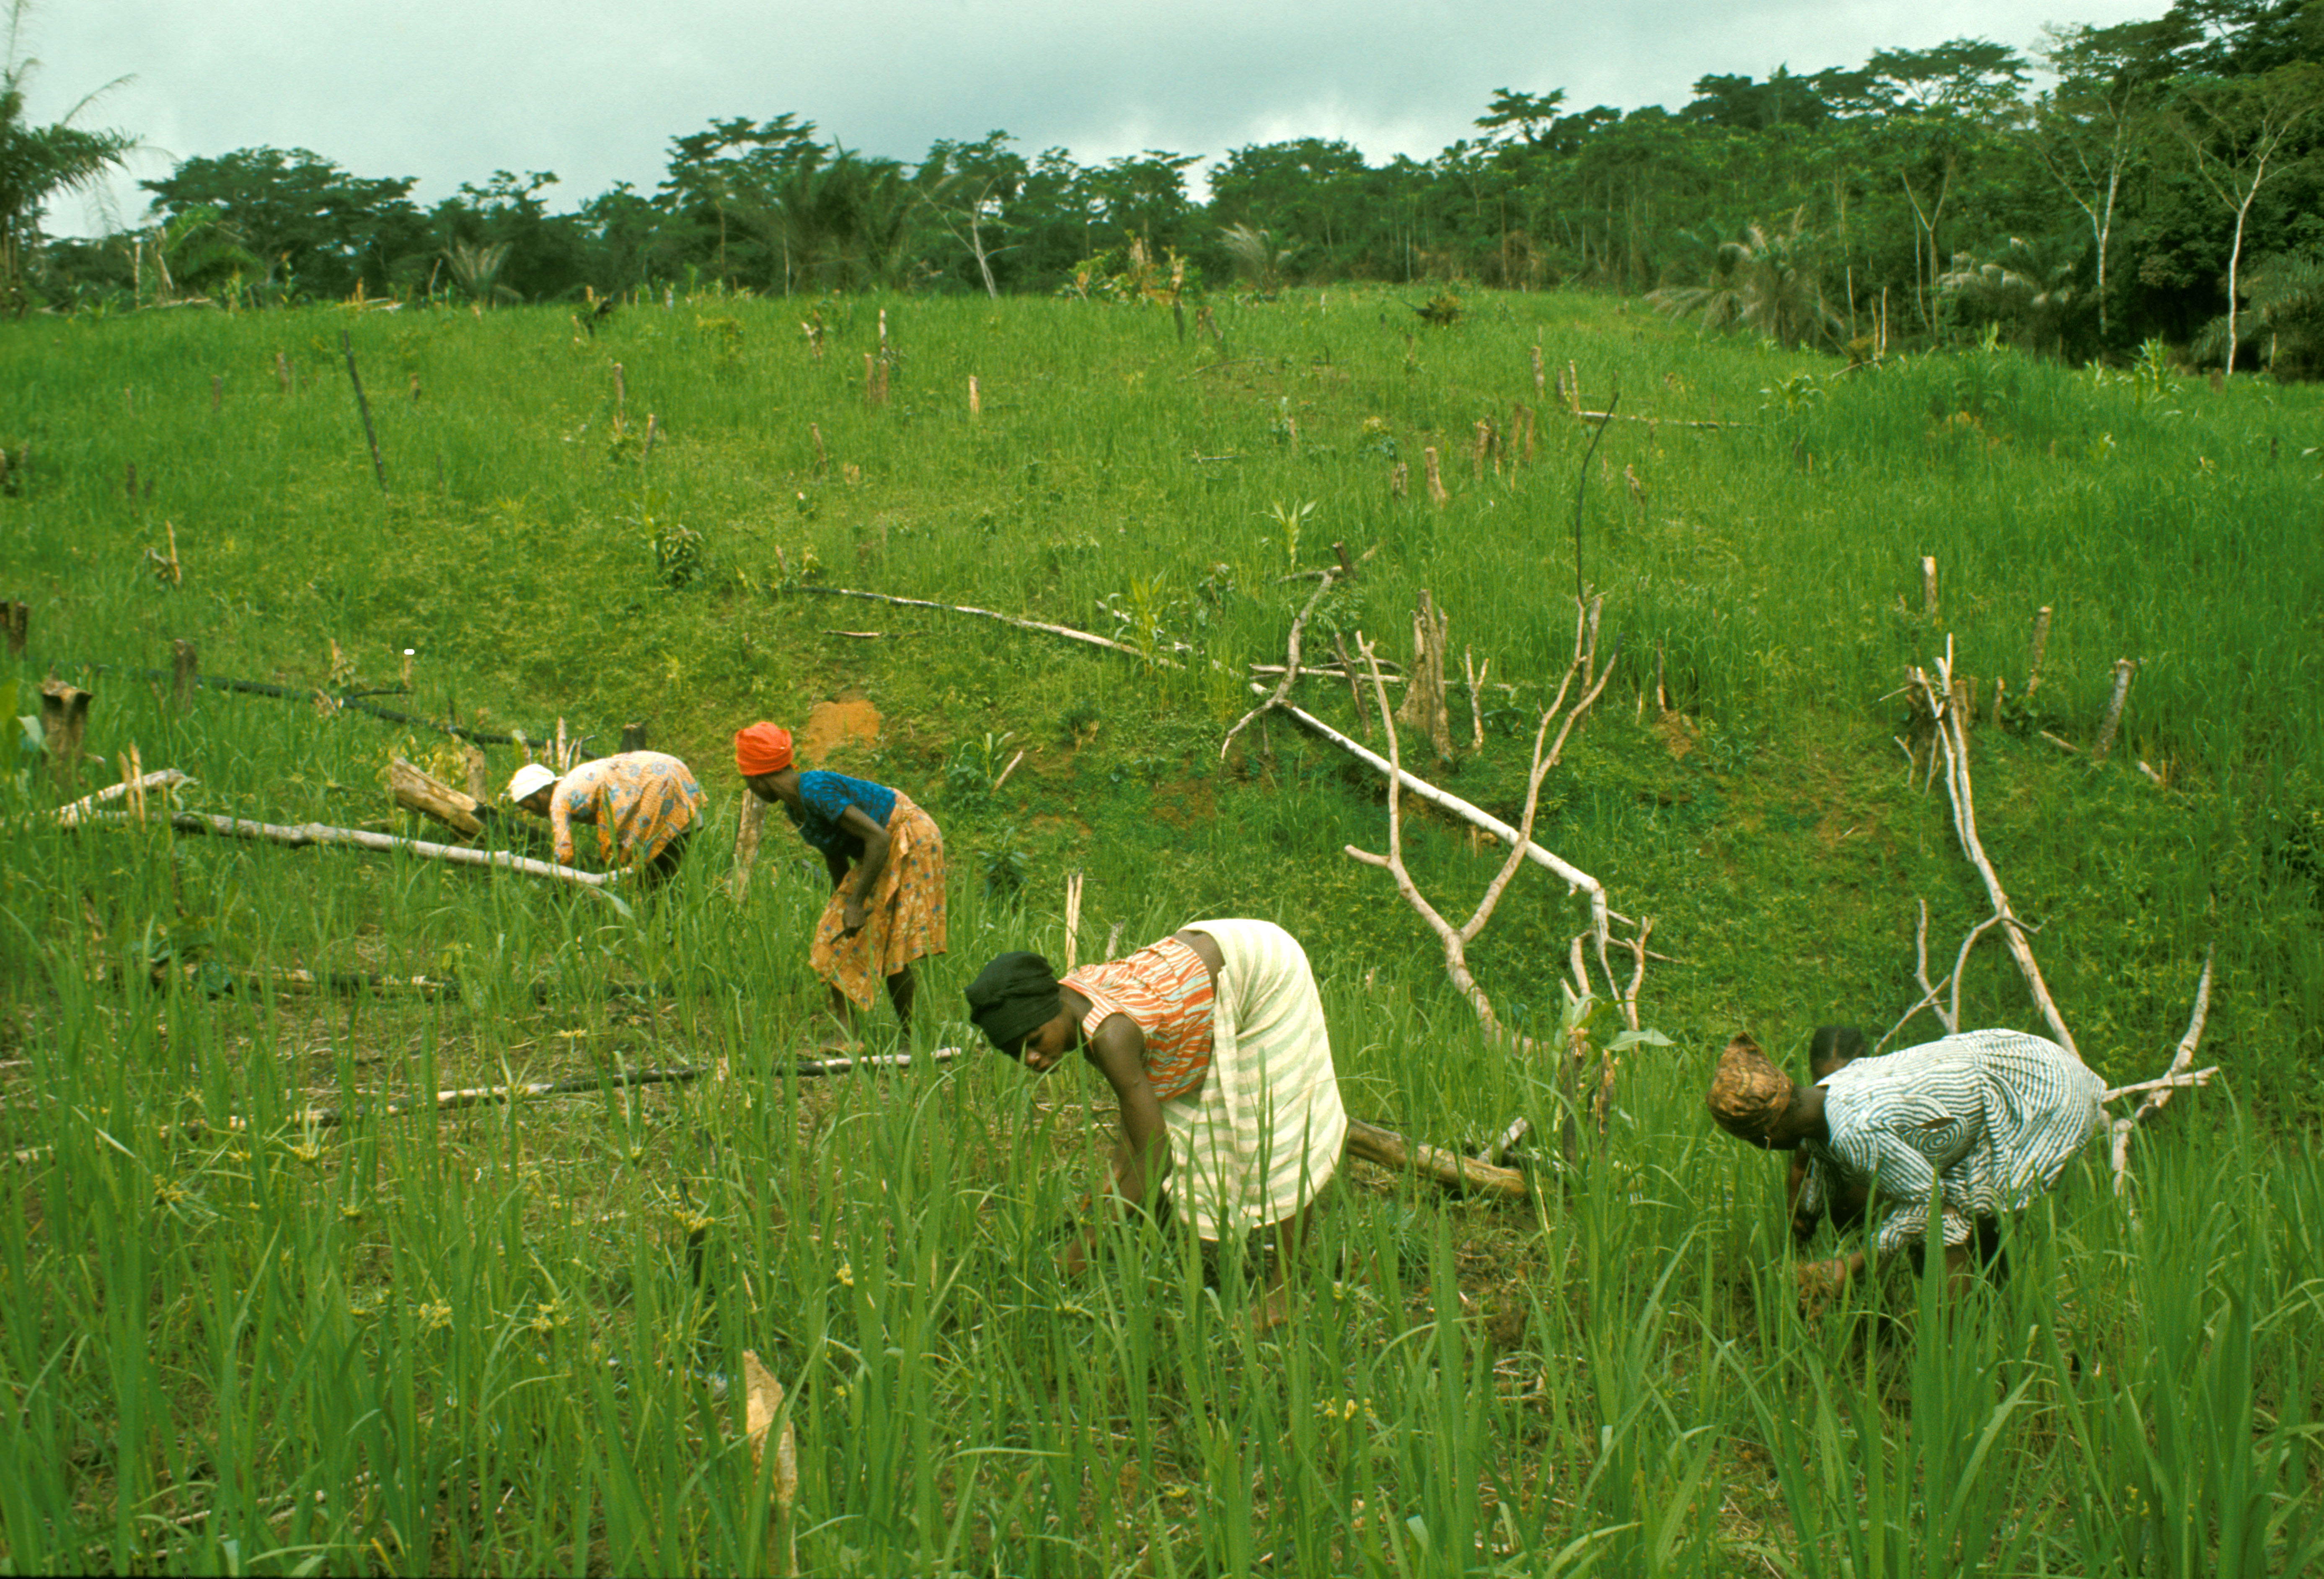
644,804
1961,1128
887,866
1213,1041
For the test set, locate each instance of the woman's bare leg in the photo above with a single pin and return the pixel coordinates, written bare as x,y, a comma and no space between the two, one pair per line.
901,988
1291,1237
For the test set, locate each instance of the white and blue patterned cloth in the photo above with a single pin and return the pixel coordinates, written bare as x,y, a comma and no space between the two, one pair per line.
1976,1124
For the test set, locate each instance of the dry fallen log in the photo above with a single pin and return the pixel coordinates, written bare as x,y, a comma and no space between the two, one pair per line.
1290,664
1391,1150
162,778
417,790
324,1118
315,833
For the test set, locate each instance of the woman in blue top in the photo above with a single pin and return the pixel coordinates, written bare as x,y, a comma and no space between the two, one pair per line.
887,868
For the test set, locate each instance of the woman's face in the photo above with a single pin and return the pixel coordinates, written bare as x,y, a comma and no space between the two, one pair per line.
1047,1047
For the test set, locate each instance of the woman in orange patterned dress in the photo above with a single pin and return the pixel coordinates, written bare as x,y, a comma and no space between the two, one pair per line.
887,864
644,804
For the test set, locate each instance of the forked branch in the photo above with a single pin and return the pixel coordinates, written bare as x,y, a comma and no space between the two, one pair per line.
2157,1093
1947,706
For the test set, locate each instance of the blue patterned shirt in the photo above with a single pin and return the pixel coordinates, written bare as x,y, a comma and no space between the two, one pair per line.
825,798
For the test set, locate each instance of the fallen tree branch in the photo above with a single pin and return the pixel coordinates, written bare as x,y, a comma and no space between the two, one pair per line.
1290,662
1574,878
323,1118
342,702
313,833
1067,632
72,815
2158,1091
1391,1150
1603,417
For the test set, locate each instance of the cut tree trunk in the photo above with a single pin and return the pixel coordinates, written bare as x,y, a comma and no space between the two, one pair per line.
418,791
1424,698
64,715
1393,1151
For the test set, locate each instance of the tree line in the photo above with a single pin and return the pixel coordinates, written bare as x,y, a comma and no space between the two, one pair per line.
2159,177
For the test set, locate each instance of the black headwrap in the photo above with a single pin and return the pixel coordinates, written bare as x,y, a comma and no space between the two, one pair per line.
1013,997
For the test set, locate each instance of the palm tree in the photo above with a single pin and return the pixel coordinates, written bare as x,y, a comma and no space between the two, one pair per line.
1763,280
476,270
1254,250
2028,286
40,162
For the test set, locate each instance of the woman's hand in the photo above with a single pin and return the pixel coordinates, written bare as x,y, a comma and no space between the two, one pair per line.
852,916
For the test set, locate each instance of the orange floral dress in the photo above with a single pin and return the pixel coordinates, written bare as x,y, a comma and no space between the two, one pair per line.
638,801
906,917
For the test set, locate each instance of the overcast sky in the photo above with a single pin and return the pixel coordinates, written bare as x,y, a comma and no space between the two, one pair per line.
450,91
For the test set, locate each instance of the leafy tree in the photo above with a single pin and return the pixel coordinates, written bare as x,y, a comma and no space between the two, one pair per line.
968,187
1311,187
729,172
1144,195
1530,113
2090,131
2240,132
312,224
40,162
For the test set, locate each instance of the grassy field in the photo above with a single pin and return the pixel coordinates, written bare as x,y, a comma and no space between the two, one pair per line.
496,1339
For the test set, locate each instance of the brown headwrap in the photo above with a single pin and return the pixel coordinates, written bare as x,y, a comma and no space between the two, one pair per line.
1749,1093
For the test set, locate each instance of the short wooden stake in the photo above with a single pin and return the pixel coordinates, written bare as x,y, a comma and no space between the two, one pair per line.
1399,480
185,672
976,403
2041,645
282,373
2123,669
1539,370
646,449
1929,586
633,737
822,458
746,845
217,399
17,619
363,407
1436,493
620,389
1073,920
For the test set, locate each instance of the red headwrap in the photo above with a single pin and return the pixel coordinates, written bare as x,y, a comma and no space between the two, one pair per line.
761,749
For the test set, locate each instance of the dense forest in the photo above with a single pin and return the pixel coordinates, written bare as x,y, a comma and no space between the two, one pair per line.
2154,178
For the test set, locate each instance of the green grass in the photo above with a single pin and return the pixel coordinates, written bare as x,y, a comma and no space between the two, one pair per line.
478,1341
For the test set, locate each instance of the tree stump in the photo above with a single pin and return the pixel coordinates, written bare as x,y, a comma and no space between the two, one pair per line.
1424,695
64,715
